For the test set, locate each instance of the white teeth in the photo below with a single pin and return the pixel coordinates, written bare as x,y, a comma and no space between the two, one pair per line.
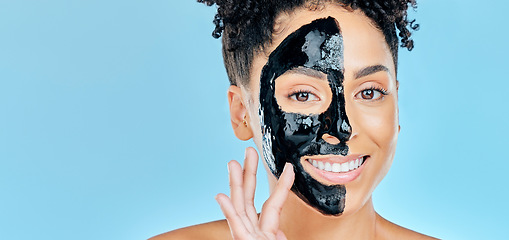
337,167
327,167
320,165
344,167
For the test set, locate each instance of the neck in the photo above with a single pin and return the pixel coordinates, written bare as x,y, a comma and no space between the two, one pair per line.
300,221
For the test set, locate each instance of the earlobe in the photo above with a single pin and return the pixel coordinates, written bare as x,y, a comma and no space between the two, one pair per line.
238,114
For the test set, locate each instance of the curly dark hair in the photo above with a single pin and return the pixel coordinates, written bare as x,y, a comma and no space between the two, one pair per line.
247,26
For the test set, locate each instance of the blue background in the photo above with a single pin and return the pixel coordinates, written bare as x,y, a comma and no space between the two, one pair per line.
114,121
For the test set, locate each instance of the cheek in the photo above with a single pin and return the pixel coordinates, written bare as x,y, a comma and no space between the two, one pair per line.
377,122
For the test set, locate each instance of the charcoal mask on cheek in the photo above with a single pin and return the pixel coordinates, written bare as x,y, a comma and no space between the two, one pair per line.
287,137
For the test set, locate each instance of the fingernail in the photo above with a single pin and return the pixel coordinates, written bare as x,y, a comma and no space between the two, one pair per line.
289,166
217,199
228,167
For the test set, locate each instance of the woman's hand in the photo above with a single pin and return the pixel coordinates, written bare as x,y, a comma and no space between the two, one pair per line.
239,210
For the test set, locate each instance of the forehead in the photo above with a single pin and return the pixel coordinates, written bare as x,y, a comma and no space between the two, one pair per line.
364,45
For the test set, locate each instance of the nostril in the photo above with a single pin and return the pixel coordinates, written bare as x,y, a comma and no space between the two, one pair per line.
352,136
330,139
344,136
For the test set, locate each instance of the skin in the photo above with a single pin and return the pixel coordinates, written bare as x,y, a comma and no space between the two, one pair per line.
375,127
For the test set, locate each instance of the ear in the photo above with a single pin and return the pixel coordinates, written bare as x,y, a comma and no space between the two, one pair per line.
238,114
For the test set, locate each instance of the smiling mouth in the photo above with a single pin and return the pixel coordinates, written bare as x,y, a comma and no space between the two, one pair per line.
337,167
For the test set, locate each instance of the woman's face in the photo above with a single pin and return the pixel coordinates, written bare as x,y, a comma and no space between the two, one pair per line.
328,105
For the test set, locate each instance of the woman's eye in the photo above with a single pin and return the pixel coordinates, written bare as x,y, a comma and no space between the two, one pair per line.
304,96
370,94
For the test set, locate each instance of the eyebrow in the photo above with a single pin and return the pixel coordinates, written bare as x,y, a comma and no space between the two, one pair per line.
308,72
370,70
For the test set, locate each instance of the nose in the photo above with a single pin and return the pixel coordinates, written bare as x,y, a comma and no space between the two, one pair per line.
344,130
336,123
338,131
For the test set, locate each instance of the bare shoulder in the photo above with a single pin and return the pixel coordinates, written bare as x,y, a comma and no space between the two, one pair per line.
206,231
390,230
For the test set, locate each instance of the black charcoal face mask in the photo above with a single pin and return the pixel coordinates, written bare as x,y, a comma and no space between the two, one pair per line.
287,136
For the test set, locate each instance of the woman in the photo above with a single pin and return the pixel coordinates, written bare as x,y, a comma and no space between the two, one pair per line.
314,84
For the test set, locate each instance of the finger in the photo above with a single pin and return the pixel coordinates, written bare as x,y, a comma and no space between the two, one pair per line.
237,193
250,168
236,186
269,219
237,227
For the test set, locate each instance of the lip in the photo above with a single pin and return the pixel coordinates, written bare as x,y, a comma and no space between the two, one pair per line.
333,177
